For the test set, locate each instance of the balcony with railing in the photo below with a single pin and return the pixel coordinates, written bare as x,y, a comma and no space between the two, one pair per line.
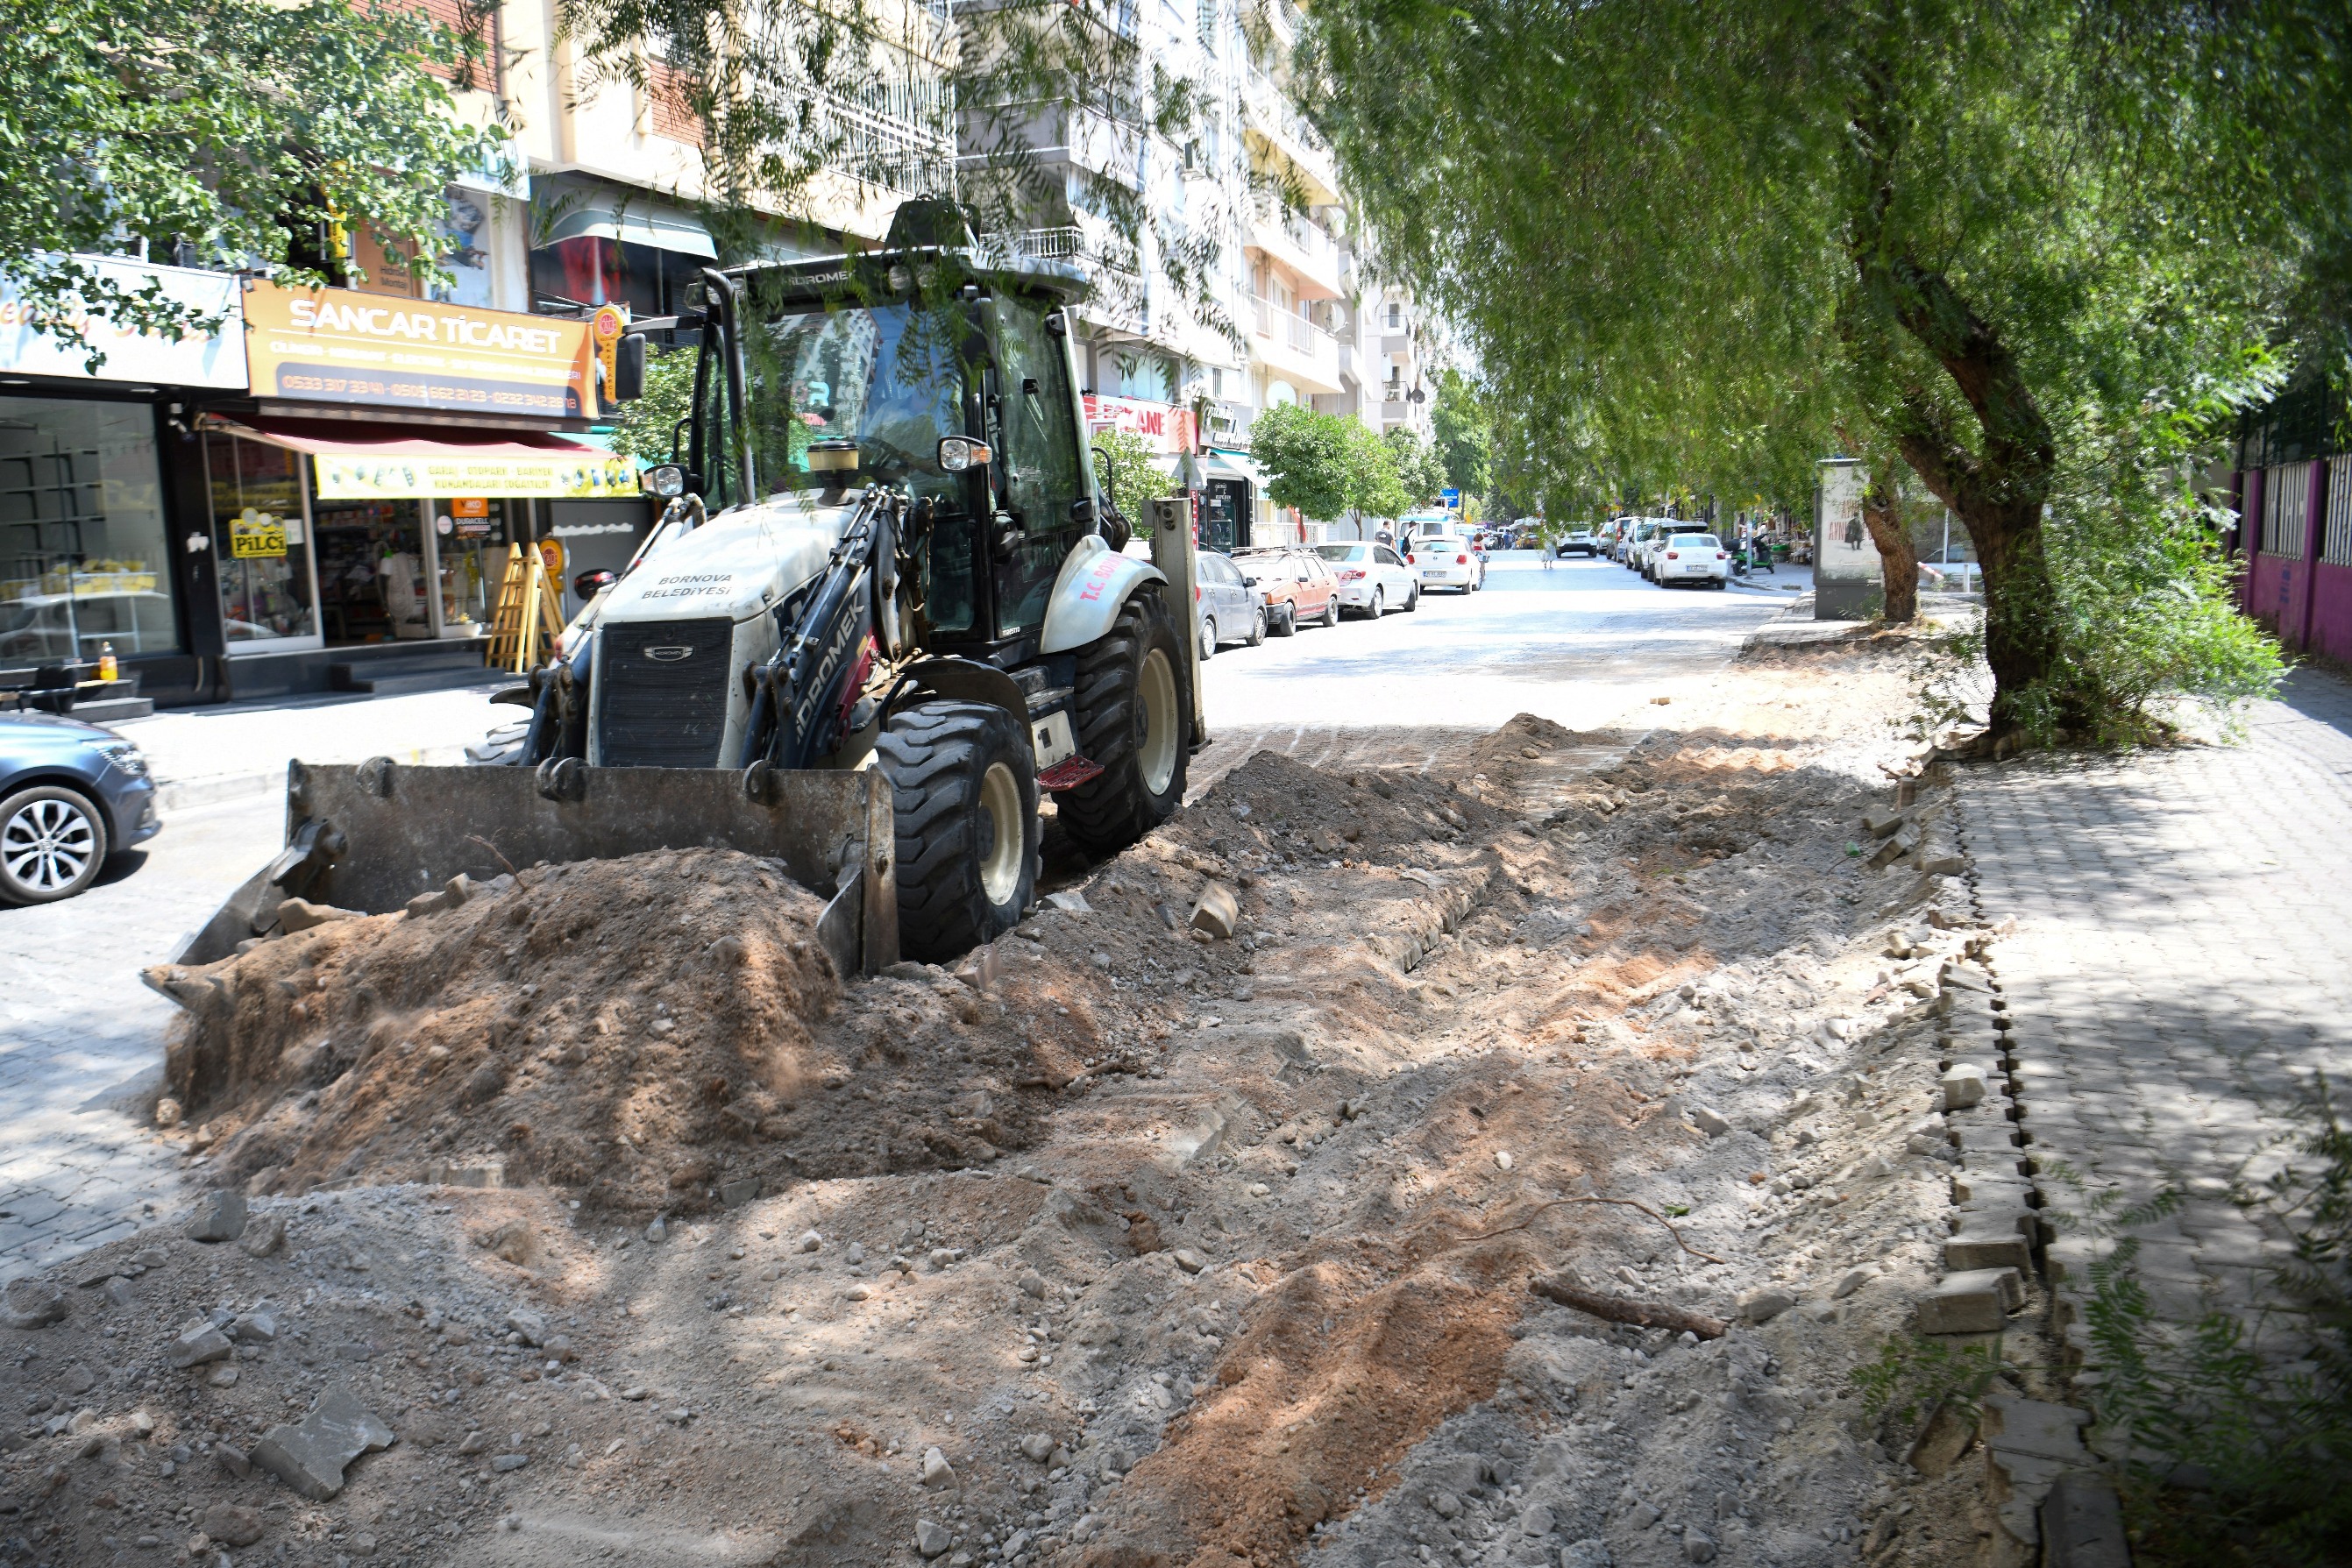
1270,116
1304,248
1118,299
1293,348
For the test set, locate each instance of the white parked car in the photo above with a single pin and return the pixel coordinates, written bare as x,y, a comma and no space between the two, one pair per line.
1692,559
1633,533
1443,554
1372,579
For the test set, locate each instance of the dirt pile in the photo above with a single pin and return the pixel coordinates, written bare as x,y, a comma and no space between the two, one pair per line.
654,1032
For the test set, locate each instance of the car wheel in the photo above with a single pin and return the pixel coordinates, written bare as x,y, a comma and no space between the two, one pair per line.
1331,612
1257,627
1286,623
1413,599
1375,609
1208,638
52,844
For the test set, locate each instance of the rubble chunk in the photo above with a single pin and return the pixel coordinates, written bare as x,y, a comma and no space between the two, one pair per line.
30,1303
1973,1300
931,1539
195,1345
311,1456
219,1217
1216,911
301,915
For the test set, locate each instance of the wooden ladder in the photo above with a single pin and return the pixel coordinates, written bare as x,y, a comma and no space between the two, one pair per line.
528,617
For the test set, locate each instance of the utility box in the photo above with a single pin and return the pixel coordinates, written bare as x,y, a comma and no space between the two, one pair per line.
1849,584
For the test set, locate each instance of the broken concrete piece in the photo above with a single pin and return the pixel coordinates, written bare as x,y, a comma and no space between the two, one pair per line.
931,1539
1038,1447
1881,823
264,1235
1942,863
1071,902
1191,1263
531,1325
311,1458
1216,911
232,1525
1963,1086
195,1345
1711,1122
219,1217
256,1325
1762,1306
1975,1301
301,915
937,1471
30,1303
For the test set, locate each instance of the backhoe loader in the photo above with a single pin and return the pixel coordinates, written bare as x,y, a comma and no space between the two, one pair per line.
887,605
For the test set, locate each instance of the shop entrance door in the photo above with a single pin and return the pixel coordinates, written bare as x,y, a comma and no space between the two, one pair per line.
469,555
372,571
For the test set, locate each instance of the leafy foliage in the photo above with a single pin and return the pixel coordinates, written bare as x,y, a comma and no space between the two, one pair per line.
1464,433
2258,1405
1125,467
1914,1374
1307,459
238,132
646,428
1419,477
1990,234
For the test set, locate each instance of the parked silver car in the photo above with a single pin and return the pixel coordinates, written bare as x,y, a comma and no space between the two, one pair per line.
1231,610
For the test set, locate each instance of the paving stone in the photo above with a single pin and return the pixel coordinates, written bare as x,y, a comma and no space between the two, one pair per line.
1974,1300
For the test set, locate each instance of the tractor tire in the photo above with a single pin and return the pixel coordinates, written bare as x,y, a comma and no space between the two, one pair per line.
964,794
1131,709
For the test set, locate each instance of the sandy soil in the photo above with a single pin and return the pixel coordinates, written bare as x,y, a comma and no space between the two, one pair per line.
1176,1250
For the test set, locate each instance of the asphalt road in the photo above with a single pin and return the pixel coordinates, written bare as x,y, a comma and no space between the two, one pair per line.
1585,644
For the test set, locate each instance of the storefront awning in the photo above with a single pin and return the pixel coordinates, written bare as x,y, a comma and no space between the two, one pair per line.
624,215
357,461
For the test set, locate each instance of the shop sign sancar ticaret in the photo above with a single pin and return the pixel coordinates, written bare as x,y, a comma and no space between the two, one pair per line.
337,346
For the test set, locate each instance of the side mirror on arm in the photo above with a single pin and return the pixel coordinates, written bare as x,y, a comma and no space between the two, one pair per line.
629,368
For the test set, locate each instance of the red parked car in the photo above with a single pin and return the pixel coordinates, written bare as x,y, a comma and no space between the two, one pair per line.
1297,586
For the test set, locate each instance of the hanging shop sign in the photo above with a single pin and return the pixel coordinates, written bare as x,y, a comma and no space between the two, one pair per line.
32,345
1161,425
338,346
588,476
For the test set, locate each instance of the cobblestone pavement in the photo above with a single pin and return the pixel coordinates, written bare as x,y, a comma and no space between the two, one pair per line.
2178,969
81,1040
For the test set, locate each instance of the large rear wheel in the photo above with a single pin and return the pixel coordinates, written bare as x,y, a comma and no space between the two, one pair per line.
964,788
1130,713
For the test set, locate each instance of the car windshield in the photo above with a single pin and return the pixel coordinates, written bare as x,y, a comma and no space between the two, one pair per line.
1340,552
883,376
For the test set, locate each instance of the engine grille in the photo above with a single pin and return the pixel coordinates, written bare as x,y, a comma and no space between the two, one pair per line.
656,707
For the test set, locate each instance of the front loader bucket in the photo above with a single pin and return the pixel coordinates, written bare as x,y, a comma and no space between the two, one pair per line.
372,837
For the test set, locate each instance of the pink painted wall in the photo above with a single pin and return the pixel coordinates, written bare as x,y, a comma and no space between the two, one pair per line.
2269,589
2331,612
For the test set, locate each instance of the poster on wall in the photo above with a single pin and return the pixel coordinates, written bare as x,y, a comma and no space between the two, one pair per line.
1847,578
336,346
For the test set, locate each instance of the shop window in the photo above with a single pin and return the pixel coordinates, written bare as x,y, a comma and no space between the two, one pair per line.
469,255
372,570
471,542
81,526
259,542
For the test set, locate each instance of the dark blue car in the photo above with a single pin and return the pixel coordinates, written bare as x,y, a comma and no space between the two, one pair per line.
70,795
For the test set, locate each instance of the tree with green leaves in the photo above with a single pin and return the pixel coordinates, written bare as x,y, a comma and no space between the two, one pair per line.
2034,246
1377,485
1130,471
1418,471
1308,459
234,133
1464,433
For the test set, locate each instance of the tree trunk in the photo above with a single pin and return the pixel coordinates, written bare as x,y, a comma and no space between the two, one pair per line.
1995,486
1898,557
